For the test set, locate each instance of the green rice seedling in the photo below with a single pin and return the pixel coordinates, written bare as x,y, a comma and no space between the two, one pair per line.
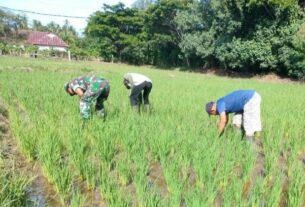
175,187
110,190
273,190
296,192
78,200
256,196
177,134
233,194
146,196
107,151
125,173
12,186
79,152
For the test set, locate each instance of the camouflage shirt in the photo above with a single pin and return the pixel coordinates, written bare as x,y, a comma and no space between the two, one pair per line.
94,89
85,82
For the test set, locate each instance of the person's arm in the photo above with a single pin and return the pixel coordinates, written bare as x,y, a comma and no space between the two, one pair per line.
126,83
75,86
223,120
79,92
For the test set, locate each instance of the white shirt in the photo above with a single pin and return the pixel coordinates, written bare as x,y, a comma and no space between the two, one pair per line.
135,79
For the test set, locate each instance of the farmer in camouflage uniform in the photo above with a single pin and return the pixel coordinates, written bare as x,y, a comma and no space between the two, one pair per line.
138,83
89,89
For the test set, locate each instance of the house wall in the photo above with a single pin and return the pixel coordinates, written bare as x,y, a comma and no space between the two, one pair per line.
61,49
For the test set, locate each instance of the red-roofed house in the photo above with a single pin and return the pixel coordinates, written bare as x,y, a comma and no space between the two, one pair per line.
46,41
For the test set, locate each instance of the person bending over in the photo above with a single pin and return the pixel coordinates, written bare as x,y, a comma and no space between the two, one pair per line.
140,86
89,89
245,104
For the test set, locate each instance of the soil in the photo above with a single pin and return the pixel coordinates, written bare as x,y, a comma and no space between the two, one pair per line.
271,77
191,177
156,178
283,165
189,182
131,189
39,192
218,200
93,196
302,157
258,169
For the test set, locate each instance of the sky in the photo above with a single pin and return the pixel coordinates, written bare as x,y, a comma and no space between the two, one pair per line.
80,8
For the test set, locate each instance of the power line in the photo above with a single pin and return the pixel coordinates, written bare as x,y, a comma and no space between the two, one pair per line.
44,14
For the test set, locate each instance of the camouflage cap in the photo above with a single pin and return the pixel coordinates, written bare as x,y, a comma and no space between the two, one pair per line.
66,86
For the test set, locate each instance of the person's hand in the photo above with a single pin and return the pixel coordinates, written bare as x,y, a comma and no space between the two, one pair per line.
79,92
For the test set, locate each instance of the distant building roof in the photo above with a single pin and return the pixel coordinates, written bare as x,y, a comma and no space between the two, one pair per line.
45,39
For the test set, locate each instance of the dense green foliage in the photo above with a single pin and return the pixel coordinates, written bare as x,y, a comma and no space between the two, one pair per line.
252,36
10,22
118,33
242,35
115,157
136,36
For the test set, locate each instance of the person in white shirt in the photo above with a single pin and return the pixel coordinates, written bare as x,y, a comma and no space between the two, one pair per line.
138,83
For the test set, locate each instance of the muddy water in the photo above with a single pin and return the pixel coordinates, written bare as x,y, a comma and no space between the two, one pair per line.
93,196
41,193
95,199
156,178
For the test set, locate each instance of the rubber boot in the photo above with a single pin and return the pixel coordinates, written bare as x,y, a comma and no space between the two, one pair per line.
101,113
136,109
146,108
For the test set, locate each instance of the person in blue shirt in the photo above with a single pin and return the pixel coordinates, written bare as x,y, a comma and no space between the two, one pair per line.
245,104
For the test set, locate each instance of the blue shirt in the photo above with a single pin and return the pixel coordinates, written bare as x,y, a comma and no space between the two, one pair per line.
234,102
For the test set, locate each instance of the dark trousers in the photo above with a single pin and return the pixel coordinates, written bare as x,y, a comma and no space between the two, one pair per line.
99,105
137,96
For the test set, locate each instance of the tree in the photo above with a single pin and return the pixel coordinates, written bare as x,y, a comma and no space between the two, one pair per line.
53,27
162,32
37,26
68,33
10,24
115,28
254,36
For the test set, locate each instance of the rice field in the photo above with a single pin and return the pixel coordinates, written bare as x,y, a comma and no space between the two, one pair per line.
171,156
